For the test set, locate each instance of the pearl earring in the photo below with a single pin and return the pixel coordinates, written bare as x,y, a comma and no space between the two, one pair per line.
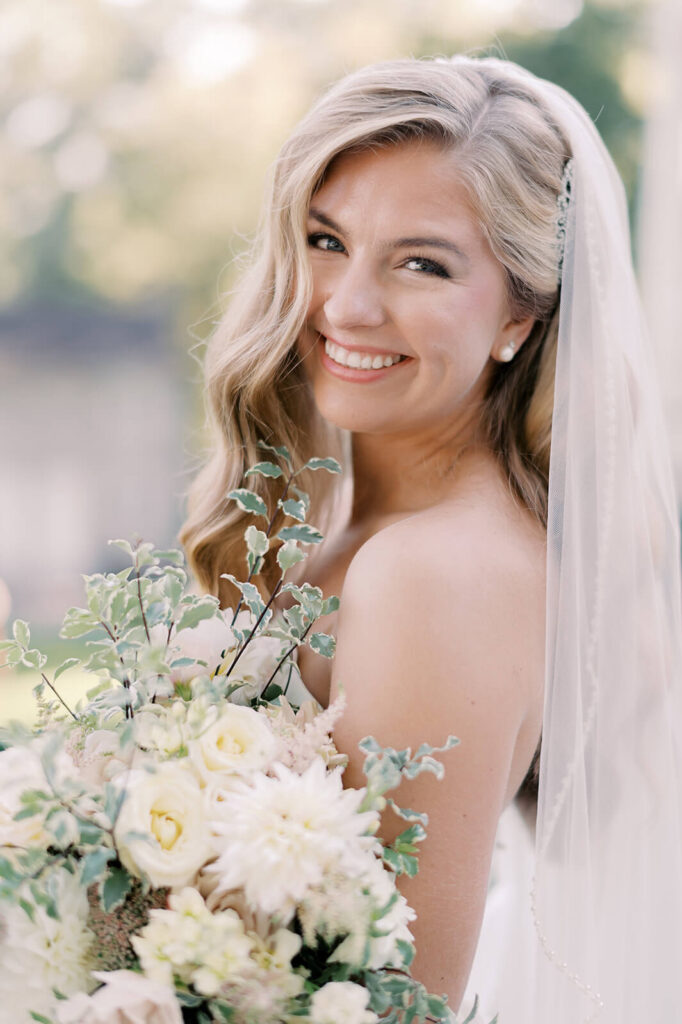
508,352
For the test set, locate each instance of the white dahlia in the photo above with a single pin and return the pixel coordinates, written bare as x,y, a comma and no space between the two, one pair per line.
41,955
348,907
374,943
278,836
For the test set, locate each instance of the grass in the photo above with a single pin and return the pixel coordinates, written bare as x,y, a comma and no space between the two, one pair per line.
17,702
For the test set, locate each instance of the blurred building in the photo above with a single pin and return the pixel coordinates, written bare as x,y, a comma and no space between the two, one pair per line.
91,446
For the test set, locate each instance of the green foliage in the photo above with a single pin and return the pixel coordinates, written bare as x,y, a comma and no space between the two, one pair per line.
289,554
249,592
65,665
249,501
303,533
257,544
279,450
401,854
78,622
406,814
331,465
323,643
294,508
268,469
194,610
384,767
34,659
95,864
21,633
222,1011
114,888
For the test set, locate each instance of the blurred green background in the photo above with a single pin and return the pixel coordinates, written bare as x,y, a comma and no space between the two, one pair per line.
136,139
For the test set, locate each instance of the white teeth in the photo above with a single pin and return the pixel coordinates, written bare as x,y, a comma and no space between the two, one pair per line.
358,360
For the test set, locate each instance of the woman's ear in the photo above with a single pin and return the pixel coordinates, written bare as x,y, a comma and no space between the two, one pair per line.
511,339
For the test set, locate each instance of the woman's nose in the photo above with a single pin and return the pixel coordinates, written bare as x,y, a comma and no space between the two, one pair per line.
355,298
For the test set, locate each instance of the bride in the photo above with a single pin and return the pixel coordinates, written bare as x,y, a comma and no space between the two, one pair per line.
441,293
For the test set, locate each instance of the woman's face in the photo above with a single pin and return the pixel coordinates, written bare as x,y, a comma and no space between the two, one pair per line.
408,301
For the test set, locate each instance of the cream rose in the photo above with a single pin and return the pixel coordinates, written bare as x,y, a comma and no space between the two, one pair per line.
341,1002
239,742
167,805
124,997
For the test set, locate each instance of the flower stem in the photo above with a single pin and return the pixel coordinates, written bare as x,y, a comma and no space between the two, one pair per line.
285,656
241,650
139,597
60,698
126,681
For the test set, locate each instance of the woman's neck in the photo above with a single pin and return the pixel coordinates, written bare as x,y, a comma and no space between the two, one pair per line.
396,476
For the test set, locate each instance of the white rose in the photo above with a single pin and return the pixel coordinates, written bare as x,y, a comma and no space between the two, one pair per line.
101,758
254,668
341,1002
124,997
160,729
239,742
21,770
167,805
204,642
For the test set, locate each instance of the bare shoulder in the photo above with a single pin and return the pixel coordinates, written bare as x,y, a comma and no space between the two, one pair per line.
463,582
442,623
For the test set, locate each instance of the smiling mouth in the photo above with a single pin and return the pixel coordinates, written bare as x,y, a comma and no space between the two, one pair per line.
356,360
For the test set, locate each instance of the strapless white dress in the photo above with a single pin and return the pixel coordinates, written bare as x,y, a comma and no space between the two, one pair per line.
501,975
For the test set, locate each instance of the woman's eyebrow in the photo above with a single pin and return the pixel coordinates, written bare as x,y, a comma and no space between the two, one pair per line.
397,243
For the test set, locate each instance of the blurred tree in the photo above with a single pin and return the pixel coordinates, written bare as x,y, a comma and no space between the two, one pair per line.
587,59
138,133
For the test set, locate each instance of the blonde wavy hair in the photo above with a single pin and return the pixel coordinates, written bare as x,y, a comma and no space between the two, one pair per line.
510,156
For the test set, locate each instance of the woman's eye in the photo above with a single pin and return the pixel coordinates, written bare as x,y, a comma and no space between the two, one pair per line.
327,243
426,266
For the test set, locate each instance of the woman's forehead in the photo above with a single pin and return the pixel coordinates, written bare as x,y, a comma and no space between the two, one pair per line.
414,186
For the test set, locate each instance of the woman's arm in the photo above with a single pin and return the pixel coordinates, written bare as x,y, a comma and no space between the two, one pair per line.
435,640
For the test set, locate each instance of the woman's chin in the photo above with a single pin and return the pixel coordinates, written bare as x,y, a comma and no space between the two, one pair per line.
358,421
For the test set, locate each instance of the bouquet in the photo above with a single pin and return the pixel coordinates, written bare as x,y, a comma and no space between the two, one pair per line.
179,846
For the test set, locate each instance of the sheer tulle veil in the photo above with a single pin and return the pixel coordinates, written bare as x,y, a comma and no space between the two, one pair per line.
606,894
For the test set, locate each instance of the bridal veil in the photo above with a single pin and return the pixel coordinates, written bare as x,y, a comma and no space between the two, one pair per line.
604,897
